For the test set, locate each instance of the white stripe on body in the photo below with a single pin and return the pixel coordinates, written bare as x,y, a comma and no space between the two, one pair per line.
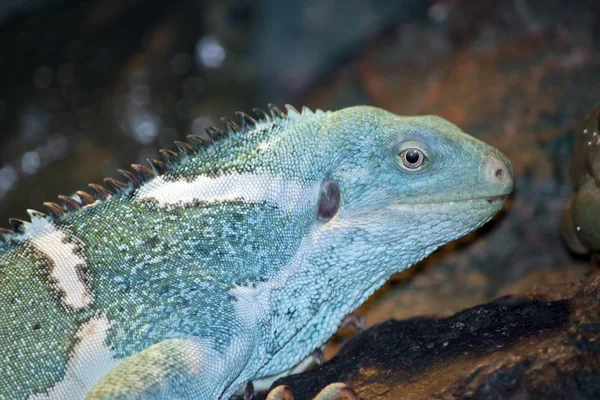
90,360
288,195
55,244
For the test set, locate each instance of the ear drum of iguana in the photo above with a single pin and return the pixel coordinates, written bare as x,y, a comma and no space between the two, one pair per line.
329,200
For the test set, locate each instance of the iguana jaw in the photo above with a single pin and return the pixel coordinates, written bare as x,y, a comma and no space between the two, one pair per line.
489,199
487,204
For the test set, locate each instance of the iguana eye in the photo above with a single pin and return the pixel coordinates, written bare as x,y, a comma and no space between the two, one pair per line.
412,158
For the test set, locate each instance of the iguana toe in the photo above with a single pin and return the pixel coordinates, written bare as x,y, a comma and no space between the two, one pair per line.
337,391
281,392
354,322
333,391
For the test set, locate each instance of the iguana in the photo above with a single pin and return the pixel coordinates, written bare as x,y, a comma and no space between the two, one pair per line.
235,258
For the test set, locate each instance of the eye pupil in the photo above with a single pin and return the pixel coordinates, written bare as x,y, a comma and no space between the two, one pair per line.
412,158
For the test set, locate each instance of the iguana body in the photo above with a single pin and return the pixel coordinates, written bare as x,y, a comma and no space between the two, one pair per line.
239,259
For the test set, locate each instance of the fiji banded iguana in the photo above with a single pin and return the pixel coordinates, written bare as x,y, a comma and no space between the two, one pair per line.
234,259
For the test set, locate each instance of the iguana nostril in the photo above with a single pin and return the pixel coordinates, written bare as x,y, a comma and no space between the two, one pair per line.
497,169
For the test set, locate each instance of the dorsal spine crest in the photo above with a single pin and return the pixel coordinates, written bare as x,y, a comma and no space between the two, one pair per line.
142,174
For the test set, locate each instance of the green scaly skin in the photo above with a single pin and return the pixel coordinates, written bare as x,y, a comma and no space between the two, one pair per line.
223,269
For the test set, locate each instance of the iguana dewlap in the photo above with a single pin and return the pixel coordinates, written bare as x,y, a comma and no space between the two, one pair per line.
235,259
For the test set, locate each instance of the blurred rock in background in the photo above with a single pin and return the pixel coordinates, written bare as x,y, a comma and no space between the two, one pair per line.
88,87
581,220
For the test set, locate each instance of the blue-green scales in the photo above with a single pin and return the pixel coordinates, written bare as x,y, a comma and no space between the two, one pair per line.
236,259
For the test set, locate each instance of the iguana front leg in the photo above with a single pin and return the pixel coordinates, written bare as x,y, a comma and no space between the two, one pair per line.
262,384
353,321
187,368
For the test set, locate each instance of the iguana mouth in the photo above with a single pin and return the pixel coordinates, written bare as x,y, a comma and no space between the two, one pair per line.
491,199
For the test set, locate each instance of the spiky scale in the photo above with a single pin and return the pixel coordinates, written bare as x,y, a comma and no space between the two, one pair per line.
114,185
17,225
54,209
261,115
184,148
70,204
85,197
292,112
130,178
247,121
214,133
5,234
170,156
144,173
231,125
35,214
276,112
100,191
158,167
198,141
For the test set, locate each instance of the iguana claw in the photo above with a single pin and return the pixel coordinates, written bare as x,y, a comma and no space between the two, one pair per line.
317,356
336,391
333,391
249,391
281,392
355,322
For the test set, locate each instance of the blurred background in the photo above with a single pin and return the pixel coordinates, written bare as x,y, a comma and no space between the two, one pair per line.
90,86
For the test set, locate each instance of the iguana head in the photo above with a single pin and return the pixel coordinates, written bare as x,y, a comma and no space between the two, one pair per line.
407,185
